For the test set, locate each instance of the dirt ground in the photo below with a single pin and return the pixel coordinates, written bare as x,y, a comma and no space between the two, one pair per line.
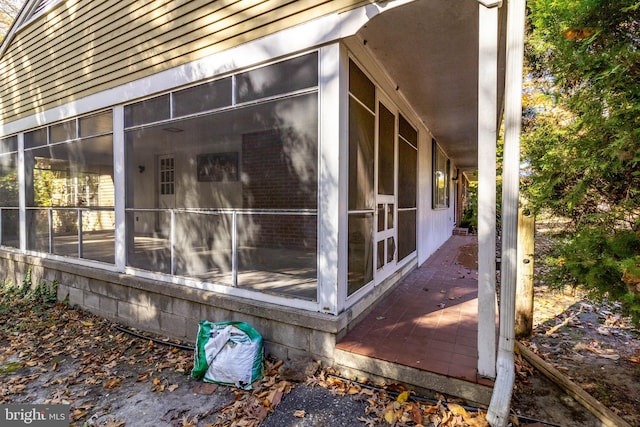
591,343
593,346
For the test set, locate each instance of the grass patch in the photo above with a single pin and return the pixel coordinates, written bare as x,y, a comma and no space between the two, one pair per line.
9,367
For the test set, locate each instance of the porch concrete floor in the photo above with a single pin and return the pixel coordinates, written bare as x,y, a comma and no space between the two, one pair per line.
430,320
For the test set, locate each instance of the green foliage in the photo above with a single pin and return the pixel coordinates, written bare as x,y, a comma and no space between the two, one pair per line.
25,294
631,301
9,188
470,214
605,264
582,136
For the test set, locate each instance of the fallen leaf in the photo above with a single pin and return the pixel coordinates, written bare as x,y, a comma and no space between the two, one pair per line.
205,388
416,414
277,398
77,414
404,396
390,415
112,383
157,385
457,409
172,387
299,413
369,422
353,390
610,356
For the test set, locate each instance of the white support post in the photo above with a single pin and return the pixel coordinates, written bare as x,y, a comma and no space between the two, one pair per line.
330,299
234,249
22,194
498,413
487,138
120,188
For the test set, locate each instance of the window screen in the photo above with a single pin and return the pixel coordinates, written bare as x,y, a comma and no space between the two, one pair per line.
275,79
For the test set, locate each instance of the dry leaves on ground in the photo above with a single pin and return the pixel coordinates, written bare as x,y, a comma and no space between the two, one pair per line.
252,407
71,352
397,406
592,344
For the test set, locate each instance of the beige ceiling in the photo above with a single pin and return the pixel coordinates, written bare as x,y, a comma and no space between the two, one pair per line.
430,49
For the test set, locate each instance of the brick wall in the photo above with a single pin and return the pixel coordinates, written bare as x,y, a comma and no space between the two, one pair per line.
271,180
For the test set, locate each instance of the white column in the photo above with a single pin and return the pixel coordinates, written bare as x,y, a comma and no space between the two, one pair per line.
487,133
119,187
498,413
22,194
329,299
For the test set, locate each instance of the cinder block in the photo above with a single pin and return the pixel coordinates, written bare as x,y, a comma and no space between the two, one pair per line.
289,335
128,312
191,329
214,314
108,306
173,326
51,276
161,302
276,350
76,296
37,274
242,317
98,287
118,292
62,292
80,282
91,300
135,296
183,307
147,312
260,324
322,343
149,318
294,353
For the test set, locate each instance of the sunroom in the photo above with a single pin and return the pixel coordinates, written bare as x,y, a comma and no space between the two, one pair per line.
221,184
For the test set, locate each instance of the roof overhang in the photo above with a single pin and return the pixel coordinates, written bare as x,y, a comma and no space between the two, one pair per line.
429,48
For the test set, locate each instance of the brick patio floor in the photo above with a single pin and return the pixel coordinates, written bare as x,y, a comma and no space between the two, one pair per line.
430,320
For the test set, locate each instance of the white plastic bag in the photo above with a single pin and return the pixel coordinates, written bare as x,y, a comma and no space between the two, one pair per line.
228,353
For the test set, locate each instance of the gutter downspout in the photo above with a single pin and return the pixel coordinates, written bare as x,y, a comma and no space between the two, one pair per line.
498,413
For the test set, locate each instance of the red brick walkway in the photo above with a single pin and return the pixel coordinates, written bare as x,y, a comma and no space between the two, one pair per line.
430,321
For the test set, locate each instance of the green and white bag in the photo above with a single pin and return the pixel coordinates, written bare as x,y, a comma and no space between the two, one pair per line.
228,353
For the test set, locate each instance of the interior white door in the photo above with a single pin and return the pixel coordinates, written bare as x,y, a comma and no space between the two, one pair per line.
166,192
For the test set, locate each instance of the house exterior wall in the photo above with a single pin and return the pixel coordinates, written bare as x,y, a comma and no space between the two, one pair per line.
79,48
434,225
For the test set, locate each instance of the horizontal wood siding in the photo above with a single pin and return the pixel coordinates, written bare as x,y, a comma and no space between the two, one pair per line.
83,47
